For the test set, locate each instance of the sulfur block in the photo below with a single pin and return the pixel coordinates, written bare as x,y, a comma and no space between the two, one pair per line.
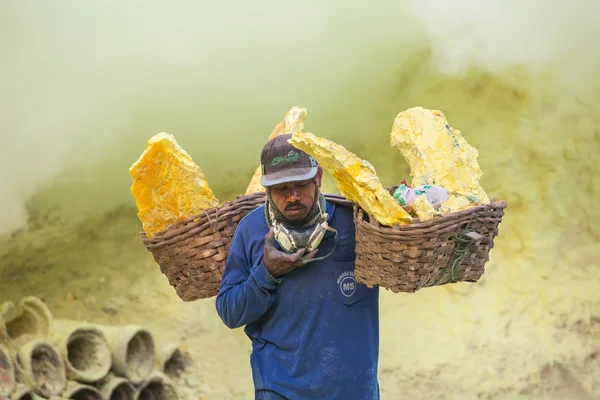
168,186
356,178
438,154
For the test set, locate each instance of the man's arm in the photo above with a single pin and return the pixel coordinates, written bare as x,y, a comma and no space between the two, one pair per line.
247,291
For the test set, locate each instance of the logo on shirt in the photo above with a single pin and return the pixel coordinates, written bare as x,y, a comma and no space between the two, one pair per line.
347,283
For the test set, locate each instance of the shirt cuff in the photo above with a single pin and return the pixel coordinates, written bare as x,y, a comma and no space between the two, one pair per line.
264,278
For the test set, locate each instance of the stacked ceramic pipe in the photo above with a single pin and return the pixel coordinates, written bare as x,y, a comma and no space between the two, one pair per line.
43,357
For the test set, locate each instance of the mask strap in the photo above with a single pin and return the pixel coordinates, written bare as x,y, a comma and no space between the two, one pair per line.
324,218
306,261
272,216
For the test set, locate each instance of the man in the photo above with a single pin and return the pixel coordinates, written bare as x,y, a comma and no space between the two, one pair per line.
314,330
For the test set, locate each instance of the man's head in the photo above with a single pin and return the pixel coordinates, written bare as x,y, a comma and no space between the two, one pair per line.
292,177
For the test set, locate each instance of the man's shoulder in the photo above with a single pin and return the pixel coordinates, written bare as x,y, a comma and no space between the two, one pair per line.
255,219
342,212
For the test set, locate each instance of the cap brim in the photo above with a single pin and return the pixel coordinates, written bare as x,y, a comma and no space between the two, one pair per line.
293,175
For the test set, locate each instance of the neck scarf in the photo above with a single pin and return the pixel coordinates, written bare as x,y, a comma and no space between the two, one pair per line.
312,218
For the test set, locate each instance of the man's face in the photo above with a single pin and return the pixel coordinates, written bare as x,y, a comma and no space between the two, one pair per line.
294,199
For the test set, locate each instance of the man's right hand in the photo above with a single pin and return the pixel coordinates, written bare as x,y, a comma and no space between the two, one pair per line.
280,263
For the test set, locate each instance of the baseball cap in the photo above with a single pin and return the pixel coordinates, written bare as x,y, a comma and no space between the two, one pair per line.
281,163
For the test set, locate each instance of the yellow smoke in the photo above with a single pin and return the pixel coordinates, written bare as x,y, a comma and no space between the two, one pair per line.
85,84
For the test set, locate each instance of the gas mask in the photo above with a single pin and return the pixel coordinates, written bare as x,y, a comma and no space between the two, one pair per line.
309,238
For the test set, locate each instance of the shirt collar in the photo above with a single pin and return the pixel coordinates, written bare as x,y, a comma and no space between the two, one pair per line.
329,209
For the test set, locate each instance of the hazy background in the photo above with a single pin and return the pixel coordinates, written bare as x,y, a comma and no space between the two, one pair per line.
84,85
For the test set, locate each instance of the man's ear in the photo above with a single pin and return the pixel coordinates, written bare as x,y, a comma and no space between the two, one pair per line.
319,177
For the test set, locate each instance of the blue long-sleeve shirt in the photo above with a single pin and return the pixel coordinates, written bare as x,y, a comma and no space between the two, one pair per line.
314,331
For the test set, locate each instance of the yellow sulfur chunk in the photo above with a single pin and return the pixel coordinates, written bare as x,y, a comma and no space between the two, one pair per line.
423,208
356,178
292,122
168,186
439,155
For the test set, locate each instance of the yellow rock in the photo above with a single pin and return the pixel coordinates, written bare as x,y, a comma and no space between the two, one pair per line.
423,208
168,186
356,178
292,122
439,155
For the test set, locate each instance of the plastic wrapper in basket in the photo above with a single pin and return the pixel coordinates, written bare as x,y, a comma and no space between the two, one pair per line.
446,249
192,253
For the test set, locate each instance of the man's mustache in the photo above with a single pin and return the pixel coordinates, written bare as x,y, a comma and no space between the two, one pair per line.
291,206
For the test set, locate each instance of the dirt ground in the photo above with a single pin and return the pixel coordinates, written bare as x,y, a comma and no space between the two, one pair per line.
100,272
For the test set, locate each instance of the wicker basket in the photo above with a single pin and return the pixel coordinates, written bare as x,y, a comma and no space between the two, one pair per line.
192,253
446,249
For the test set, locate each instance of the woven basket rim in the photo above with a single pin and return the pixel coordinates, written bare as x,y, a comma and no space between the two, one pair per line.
214,214
359,212
217,214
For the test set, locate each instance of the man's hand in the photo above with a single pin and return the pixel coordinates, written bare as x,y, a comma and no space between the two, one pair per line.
280,263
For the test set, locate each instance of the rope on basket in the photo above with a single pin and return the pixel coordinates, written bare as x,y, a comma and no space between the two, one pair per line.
212,224
460,251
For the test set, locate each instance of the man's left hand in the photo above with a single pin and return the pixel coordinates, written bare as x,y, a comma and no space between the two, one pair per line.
280,263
